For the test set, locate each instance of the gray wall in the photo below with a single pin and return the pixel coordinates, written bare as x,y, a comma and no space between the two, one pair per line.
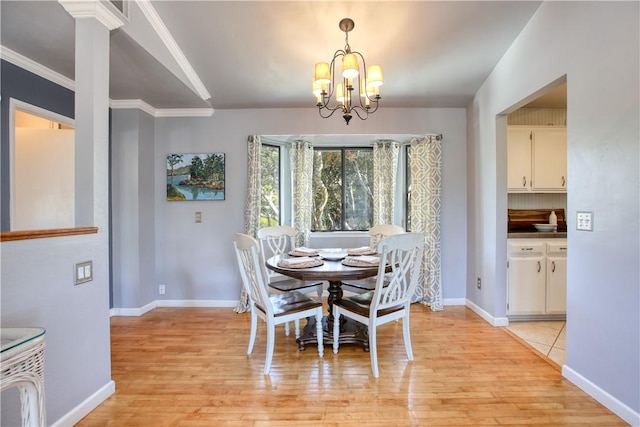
36,282
133,208
596,46
195,261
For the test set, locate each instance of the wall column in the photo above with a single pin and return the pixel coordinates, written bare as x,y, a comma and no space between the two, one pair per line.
94,21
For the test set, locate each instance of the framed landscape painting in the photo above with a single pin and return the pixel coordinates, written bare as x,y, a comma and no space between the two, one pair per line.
195,176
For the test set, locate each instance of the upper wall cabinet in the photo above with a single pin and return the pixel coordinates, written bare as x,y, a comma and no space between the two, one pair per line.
537,159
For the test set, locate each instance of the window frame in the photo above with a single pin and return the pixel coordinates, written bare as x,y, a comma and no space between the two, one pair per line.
343,149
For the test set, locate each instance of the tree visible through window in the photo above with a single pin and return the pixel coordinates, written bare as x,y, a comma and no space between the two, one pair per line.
270,194
342,189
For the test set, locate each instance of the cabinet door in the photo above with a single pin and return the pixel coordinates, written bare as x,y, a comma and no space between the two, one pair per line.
518,160
526,285
550,159
556,285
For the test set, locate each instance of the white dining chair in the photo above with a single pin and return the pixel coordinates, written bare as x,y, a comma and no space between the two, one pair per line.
376,234
401,253
274,309
277,240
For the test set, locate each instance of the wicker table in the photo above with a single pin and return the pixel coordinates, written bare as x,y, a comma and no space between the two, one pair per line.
22,366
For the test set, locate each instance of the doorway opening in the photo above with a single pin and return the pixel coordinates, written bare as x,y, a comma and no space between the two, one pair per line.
535,281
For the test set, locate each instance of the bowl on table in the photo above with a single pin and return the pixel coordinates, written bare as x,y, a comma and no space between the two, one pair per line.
545,227
332,254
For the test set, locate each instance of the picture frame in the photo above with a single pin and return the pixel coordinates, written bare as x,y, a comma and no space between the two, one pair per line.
195,176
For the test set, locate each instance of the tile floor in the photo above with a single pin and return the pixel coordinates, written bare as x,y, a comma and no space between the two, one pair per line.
548,337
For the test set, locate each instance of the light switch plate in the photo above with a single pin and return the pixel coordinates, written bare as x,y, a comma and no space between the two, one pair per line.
83,272
584,221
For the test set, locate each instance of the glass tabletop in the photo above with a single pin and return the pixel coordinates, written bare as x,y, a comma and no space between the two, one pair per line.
13,337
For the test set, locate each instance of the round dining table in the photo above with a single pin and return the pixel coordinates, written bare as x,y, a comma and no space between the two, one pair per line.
334,272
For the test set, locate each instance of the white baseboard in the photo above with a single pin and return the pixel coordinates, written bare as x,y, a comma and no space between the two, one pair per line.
495,321
453,301
88,405
197,303
133,311
171,303
610,402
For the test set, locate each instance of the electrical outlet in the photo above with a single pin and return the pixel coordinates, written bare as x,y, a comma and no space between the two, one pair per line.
584,221
198,217
161,289
479,283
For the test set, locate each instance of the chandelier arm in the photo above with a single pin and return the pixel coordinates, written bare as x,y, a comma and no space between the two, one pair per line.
333,110
362,116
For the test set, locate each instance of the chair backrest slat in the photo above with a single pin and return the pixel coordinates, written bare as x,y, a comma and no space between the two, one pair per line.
380,231
275,240
252,270
403,253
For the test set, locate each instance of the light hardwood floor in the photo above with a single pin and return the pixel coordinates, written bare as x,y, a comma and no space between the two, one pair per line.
188,367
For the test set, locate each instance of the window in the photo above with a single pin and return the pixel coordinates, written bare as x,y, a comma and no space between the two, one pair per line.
270,194
342,189
407,168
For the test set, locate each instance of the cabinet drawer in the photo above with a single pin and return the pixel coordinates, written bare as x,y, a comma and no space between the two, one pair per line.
557,248
525,248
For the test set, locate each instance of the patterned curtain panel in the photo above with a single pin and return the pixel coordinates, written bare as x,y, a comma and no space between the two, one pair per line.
426,183
252,204
301,189
385,167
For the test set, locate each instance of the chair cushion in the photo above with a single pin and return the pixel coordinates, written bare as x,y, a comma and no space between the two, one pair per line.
360,304
293,284
291,302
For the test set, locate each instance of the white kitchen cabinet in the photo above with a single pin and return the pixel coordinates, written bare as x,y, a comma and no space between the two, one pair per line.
518,159
536,159
556,298
549,163
526,277
536,277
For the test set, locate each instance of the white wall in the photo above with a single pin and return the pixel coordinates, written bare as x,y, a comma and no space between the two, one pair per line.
43,179
596,45
195,260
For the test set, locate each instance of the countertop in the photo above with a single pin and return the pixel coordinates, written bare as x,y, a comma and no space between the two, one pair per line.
537,235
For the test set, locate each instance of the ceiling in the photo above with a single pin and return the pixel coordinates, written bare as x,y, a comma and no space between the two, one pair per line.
261,54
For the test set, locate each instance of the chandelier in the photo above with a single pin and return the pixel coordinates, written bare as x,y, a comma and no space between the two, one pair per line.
354,92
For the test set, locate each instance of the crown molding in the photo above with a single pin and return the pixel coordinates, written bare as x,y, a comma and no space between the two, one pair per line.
124,104
40,70
185,112
168,40
81,9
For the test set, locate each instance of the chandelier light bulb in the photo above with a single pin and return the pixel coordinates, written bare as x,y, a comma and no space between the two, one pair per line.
323,73
350,67
340,93
374,76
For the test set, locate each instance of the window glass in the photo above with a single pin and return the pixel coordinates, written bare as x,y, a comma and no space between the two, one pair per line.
270,194
342,189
